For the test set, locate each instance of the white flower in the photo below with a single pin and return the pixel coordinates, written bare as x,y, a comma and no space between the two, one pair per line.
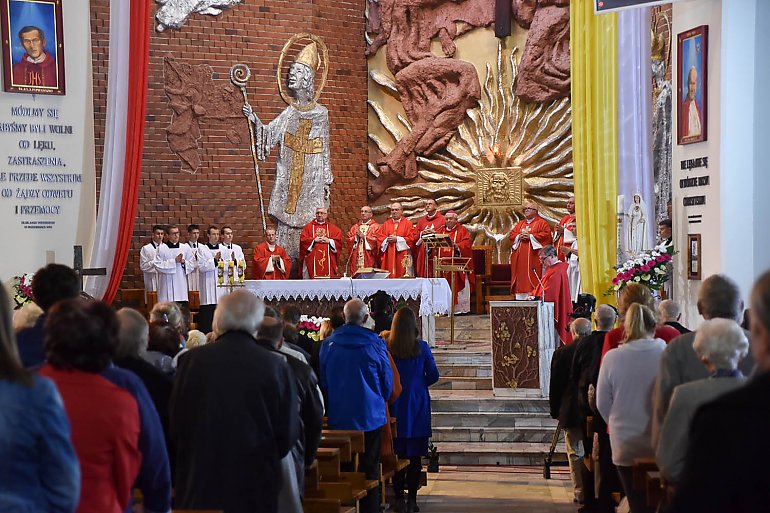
646,277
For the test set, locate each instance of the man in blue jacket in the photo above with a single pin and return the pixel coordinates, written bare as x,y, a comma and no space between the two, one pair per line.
357,379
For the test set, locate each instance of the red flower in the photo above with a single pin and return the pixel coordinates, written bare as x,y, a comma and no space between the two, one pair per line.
645,268
615,280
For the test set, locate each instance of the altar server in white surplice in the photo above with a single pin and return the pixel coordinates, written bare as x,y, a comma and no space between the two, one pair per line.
231,251
174,262
193,233
209,256
570,253
147,260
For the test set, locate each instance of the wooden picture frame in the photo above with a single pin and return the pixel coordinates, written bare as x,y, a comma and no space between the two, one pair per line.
693,256
692,86
33,46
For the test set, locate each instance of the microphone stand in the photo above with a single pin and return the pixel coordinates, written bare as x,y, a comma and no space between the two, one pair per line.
542,287
347,264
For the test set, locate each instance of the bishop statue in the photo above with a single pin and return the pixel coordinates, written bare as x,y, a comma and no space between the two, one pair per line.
303,171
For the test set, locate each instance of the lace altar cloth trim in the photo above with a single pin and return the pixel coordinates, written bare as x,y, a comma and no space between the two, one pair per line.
434,293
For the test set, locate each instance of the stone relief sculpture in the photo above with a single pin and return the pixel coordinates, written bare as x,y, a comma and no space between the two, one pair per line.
195,98
544,72
303,173
661,124
173,13
435,91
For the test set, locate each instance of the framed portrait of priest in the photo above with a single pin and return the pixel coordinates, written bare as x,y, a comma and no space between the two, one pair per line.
33,46
692,86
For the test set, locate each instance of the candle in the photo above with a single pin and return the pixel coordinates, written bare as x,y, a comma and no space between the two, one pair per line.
621,204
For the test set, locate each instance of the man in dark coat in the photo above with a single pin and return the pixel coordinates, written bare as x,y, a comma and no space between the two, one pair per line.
311,407
563,402
585,369
234,416
725,469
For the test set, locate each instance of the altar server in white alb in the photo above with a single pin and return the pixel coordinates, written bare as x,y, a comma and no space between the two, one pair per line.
193,233
209,255
173,262
147,260
231,252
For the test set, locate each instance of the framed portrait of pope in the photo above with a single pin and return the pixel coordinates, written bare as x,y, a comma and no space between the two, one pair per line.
33,46
692,86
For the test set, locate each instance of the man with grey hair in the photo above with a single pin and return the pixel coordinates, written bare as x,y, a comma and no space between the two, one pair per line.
585,366
357,378
563,402
133,335
720,344
669,314
718,298
234,415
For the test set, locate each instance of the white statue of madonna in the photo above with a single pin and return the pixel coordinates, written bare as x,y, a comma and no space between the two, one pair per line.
637,226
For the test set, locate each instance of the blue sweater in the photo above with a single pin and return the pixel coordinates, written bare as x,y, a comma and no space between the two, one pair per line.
356,375
39,469
412,408
154,479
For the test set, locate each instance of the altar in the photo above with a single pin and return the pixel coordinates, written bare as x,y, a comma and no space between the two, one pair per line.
426,296
523,342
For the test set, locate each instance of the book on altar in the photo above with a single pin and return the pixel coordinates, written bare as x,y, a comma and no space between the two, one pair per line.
371,273
569,237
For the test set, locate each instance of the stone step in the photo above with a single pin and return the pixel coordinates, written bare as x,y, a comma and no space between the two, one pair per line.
459,405
464,322
463,383
450,357
500,453
467,371
481,420
494,434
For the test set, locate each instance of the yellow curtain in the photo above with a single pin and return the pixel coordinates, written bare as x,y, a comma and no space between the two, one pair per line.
593,52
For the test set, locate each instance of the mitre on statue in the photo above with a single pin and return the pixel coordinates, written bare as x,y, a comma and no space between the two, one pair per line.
309,56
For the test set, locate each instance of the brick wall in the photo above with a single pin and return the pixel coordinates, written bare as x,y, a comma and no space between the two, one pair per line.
223,190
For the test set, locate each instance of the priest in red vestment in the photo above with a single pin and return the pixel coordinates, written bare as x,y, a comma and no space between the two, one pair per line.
395,237
461,247
555,289
362,239
319,246
271,262
427,224
527,237
563,234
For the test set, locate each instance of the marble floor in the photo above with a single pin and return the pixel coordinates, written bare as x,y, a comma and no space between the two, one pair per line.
464,489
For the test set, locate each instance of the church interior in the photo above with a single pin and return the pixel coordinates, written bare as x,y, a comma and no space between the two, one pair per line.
331,256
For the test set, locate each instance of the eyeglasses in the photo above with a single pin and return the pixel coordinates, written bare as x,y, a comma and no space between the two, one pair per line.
529,208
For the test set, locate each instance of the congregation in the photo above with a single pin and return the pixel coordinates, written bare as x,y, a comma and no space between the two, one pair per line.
101,406
650,394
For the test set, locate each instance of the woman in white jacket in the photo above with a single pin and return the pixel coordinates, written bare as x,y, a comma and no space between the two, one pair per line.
623,396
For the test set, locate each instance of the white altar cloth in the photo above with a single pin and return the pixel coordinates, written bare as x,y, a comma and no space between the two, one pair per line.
434,293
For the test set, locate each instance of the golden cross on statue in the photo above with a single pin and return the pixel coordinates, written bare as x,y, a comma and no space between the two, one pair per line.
302,145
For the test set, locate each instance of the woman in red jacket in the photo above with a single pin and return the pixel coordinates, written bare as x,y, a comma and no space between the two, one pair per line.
80,340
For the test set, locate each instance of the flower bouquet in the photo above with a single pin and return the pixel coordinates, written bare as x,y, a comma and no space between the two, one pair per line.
22,290
309,326
650,268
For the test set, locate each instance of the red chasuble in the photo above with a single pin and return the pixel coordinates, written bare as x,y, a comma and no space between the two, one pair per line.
319,258
524,256
391,258
564,221
462,239
557,291
424,265
262,257
361,256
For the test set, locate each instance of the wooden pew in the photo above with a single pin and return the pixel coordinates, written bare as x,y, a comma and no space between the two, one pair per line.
328,463
356,442
653,490
640,468
338,442
326,506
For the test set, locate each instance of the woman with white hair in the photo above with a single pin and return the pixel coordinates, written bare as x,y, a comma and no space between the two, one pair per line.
720,344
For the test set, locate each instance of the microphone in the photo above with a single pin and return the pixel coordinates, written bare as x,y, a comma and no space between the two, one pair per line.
347,264
542,287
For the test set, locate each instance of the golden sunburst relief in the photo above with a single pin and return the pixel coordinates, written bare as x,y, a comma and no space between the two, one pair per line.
505,153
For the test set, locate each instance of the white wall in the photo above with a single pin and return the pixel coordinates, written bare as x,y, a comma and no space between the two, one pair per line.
31,248
734,234
688,15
